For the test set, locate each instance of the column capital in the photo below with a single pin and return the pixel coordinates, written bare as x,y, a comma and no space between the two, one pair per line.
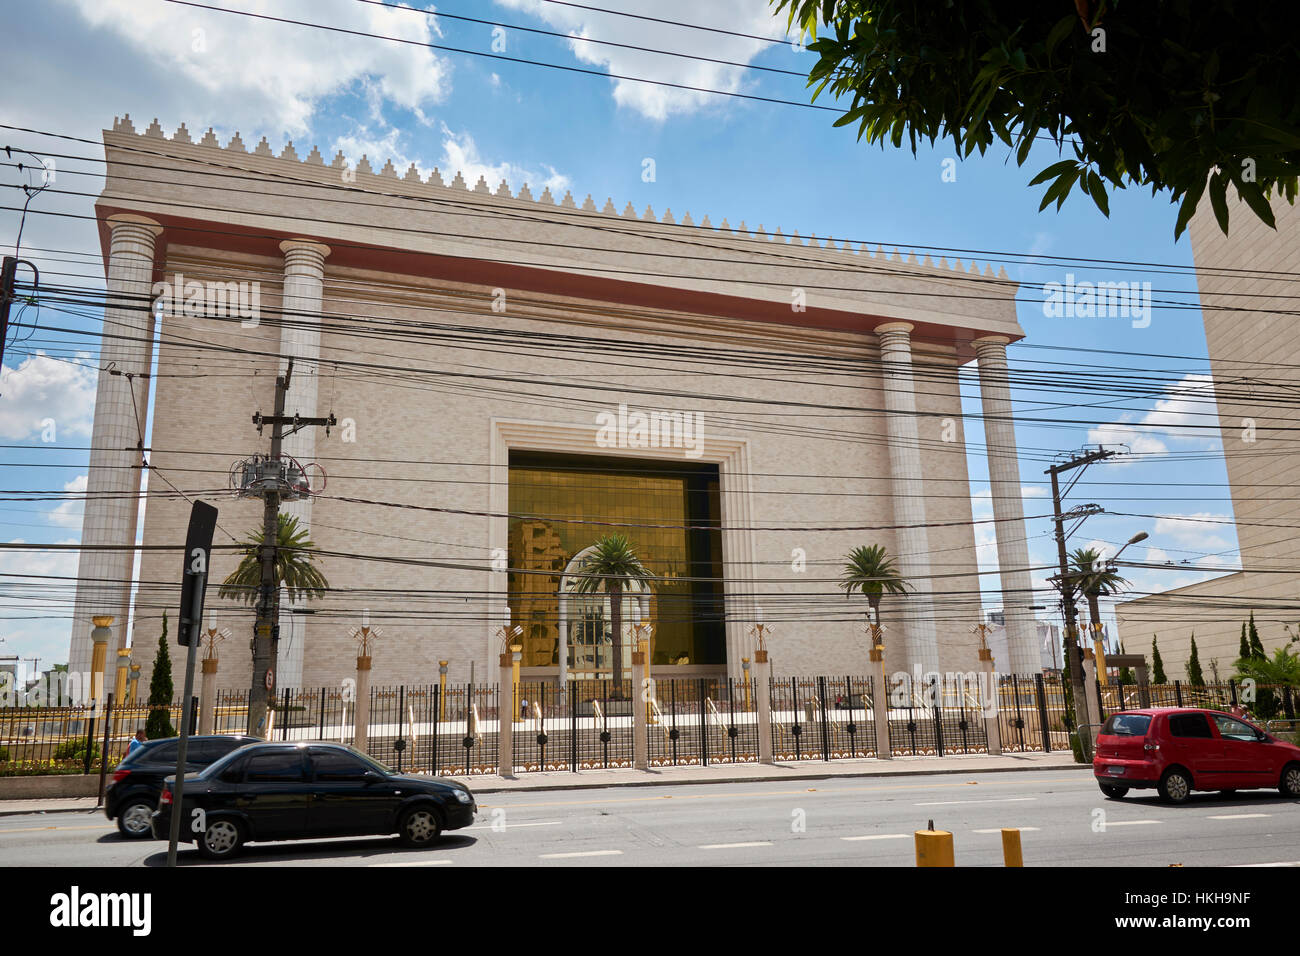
987,342
904,327
304,245
118,219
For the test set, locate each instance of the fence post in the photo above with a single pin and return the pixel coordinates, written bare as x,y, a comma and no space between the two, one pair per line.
641,691
989,702
361,707
208,696
506,724
1090,691
880,704
1178,693
763,694
103,754
1040,689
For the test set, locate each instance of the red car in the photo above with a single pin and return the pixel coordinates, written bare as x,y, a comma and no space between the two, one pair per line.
1180,749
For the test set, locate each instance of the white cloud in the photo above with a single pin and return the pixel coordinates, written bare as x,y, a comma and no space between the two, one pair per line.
1203,531
1188,403
44,630
68,514
41,389
460,154
272,75
660,102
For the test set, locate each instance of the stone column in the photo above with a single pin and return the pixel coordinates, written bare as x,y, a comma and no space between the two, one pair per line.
640,725
880,703
121,413
208,696
1008,506
301,304
100,636
361,707
505,723
763,699
913,540
1090,692
989,701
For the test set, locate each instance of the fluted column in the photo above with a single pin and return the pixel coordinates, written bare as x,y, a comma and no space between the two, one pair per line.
1008,508
913,540
121,413
303,300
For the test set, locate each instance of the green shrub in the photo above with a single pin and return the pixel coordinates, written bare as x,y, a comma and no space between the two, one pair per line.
75,749
4,754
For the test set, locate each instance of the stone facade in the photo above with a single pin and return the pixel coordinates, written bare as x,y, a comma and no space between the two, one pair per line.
409,273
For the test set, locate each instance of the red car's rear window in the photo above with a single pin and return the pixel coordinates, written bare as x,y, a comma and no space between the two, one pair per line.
1127,725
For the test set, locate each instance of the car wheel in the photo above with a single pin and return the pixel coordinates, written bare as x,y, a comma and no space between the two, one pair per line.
135,819
1175,786
1112,791
420,826
1290,783
222,839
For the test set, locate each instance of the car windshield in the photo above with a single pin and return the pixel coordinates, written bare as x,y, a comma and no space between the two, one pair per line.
1127,725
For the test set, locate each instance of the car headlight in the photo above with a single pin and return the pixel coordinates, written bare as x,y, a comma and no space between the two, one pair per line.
464,796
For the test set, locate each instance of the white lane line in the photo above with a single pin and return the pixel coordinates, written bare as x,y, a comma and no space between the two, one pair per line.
1239,816
513,826
881,836
1130,823
1292,863
414,863
732,846
569,856
952,803
1000,829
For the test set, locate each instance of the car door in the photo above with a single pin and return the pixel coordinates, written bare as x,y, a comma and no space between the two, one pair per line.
276,793
349,798
1192,743
1249,761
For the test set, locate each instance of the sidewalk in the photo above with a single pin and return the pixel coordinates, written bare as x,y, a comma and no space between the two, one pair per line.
682,776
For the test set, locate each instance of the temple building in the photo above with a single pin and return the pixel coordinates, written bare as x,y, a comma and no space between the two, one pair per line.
516,374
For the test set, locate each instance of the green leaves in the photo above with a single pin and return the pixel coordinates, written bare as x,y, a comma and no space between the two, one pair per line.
1185,88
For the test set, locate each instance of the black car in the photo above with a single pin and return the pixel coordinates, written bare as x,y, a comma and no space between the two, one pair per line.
297,791
132,794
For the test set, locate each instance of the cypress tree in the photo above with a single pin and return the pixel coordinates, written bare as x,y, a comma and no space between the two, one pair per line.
1256,646
1157,665
1194,675
1243,651
159,723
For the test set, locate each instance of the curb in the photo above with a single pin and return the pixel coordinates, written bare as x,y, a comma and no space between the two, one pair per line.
667,782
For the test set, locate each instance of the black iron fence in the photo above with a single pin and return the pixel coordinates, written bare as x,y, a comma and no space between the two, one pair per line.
822,718
701,721
424,729
944,715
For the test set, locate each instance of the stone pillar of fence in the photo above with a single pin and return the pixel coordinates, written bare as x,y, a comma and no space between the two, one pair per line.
990,701
762,671
1090,687
640,703
99,636
208,696
505,721
880,703
361,709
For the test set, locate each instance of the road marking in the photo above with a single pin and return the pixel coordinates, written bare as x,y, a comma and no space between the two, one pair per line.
1130,823
568,856
1000,829
513,826
880,836
1292,863
103,826
1239,816
769,793
732,846
414,863
951,803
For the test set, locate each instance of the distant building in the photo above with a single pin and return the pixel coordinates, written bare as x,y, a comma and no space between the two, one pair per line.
1050,651
1247,287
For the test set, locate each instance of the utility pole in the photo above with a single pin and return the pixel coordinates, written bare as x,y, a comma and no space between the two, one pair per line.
1073,655
8,276
266,630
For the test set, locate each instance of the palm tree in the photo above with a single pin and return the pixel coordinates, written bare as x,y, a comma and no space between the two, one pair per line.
1094,581
869,569
612,563
294,567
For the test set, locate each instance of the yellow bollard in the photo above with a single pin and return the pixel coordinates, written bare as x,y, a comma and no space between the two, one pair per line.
1011,855
934,847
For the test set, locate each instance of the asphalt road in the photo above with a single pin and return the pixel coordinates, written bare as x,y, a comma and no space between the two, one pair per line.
1063,817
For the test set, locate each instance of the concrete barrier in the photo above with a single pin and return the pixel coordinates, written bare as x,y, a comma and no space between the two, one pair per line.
51,785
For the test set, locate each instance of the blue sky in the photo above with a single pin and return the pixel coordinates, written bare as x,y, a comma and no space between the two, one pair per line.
84,61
